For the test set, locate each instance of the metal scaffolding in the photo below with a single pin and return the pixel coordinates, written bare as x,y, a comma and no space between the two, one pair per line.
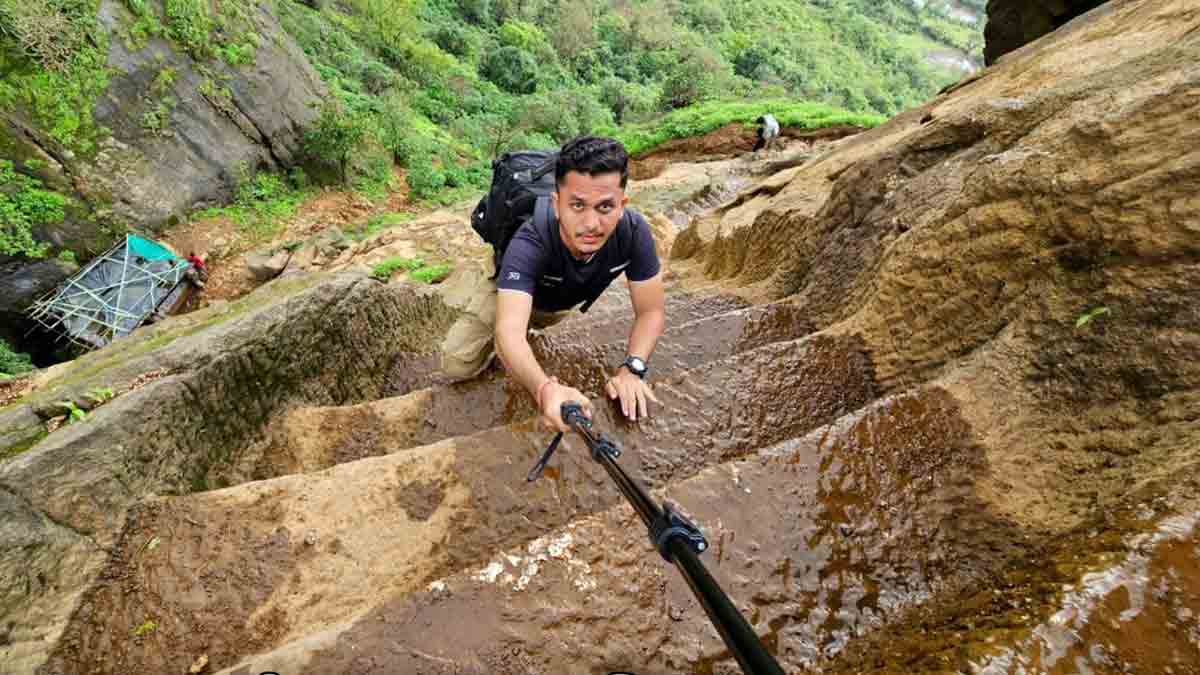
114,294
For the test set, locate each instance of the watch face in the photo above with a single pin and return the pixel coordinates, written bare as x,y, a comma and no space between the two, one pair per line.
637,364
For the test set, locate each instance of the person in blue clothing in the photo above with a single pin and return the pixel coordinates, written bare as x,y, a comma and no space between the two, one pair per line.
556,263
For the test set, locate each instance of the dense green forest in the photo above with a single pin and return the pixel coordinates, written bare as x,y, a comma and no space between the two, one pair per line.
437,82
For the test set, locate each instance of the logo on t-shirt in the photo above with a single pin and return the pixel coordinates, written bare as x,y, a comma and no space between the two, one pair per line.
514,276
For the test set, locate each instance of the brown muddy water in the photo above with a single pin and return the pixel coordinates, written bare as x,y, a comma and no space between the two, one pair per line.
1141,613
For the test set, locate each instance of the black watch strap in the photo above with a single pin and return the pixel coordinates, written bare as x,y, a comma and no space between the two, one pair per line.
636,366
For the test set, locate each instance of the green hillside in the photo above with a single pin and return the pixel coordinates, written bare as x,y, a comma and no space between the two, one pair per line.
444,85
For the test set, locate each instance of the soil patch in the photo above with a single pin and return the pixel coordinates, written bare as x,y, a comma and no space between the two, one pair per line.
420,500
728,141
223,244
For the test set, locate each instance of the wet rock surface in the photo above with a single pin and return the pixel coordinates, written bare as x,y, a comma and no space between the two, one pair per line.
216,391
482,504
879,519
310,439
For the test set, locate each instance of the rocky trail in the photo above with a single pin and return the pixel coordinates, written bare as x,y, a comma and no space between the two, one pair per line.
887,399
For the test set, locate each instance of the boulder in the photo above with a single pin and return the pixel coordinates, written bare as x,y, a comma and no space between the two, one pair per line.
267,266
224,117
22,284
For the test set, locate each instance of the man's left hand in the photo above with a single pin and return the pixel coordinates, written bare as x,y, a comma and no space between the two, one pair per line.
633,392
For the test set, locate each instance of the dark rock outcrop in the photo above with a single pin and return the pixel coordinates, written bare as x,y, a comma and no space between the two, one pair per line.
212,119
20,285
1013,23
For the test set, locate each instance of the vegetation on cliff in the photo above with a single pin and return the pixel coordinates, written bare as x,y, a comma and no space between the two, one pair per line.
441,86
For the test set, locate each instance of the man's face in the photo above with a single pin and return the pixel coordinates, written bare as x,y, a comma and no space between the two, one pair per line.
588,209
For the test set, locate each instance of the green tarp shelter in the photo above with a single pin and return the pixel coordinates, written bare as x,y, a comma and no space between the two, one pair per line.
113,294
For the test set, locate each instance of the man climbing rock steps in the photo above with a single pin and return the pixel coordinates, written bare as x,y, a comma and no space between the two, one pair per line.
576,244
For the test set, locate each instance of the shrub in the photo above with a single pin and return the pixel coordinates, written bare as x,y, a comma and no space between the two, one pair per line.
13,362
511,69
457,40
378,77
23,205
189,23
335,136
55,66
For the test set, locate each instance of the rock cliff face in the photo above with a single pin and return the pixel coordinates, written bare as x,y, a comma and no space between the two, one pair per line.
1013,23
177,128
1030,239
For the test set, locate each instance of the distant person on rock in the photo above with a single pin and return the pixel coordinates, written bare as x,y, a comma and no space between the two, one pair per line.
768,131
583,239
198,272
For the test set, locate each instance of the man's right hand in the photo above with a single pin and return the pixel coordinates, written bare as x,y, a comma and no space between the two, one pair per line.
554,395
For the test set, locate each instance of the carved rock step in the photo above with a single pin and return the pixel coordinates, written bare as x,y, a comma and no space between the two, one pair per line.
881,516
603,324
310,439
247,569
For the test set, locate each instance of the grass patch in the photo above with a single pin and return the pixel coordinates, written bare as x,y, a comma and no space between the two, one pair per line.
705,117
453,195
378,223
386,268
263,204
417,269
431,274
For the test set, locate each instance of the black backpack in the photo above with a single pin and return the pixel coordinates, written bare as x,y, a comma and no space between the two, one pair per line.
518,180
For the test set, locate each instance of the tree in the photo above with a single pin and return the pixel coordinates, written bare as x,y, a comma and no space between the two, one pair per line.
574,33
477,12
335,136
511,69
696,75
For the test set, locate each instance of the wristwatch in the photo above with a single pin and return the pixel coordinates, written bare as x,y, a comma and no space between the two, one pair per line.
636,366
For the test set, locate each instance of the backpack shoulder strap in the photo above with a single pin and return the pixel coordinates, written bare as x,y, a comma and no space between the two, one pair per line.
541,213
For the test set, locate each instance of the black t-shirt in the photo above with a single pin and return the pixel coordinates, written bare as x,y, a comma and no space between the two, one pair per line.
538,263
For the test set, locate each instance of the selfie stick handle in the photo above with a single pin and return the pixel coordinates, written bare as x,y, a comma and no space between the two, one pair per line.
679,541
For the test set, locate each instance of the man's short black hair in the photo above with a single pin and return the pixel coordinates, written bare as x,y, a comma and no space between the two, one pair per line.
592,155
